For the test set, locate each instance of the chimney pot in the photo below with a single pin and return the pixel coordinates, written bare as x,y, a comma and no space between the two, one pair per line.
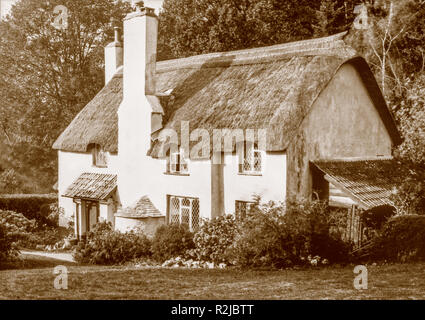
117,37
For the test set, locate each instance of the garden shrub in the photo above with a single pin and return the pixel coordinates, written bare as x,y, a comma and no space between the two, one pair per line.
401,239
29,234
373,220
324,234
276,235
214,237
28,204
170,241
105,246
6,246
265,239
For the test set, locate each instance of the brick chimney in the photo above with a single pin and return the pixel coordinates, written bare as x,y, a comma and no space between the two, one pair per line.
113,56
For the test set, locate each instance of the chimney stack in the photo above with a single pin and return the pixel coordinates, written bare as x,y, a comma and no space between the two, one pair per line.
113,56
140,42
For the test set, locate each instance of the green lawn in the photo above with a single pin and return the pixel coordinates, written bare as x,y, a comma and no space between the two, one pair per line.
398,281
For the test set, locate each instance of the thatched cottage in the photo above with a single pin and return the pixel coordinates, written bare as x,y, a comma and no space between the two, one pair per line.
316,101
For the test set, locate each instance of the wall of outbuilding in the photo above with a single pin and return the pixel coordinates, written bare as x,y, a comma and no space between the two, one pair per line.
343,122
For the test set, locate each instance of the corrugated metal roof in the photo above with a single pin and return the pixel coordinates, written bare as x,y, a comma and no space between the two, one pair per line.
96,186
369,183
143,208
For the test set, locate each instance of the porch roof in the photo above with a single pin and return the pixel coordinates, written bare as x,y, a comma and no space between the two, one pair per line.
93,186
369,183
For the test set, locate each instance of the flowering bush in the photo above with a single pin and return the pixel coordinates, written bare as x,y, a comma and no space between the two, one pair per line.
170,241
214,238
106,246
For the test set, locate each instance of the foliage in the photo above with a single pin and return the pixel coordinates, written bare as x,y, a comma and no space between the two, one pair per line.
26,233
214,237
106,246
279,236
32,206
402,238
170,241
377,217
6,245
47,75
190,27
411,117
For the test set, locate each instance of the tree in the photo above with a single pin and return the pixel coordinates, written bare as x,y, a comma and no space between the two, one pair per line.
334,16
190,27
411,115
49,70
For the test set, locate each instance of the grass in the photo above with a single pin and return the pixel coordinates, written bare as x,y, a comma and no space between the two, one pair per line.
398,281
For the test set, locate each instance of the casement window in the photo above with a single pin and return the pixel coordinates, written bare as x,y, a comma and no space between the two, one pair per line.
184,210
100,157
242,208
177,163
252,162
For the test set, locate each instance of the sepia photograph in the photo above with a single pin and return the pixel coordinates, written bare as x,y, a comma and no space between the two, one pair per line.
212,154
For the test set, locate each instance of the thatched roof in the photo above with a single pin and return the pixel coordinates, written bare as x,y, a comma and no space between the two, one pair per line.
268,88
369,183
97,122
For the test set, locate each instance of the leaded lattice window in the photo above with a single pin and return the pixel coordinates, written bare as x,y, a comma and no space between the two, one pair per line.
252,162
184,210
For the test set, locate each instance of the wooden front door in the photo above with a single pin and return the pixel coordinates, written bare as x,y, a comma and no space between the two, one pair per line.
92,214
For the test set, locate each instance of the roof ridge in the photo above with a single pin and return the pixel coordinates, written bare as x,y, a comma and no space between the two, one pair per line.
354,159
242,56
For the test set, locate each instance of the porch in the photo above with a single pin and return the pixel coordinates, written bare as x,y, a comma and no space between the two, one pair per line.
358,186
95,199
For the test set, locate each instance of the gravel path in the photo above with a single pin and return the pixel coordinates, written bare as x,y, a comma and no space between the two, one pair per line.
54,255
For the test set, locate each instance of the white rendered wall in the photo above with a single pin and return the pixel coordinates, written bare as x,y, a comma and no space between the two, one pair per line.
70,166
271,185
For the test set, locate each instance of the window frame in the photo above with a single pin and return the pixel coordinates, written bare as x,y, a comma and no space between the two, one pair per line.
96,150
248,205
179,163
256,155
180,209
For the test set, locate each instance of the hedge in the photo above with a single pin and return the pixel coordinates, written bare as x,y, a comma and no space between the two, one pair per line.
401,239
29,205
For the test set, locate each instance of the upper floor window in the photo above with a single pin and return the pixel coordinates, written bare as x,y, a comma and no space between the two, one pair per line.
100,156
177,163
252,162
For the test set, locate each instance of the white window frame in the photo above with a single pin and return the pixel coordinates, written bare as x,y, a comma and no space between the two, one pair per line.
251,148
180,209
97,151
177,163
